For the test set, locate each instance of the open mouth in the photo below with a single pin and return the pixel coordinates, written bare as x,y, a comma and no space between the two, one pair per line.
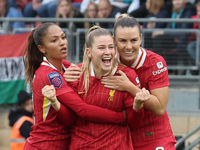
106,61
64,49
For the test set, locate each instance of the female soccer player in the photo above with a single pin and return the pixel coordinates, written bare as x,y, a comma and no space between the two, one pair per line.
155,133
45,65
99,61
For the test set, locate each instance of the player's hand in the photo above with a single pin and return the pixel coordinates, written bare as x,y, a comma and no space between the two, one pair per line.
72,73
116,82
50,93
141,97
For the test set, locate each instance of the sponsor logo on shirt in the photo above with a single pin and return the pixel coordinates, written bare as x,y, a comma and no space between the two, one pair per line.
55,79
160,67
112,92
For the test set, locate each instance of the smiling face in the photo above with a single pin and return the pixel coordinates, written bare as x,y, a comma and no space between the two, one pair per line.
54,44
102,54
128,41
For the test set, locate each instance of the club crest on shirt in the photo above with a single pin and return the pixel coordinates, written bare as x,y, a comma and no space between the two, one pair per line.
55,79
112,92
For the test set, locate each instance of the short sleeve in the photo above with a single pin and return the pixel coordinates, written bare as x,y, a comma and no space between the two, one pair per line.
158,74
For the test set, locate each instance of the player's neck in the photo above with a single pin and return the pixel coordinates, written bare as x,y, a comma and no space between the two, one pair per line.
57,64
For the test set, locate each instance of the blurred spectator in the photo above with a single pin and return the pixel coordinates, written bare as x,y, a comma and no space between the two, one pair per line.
9,12
155,9
106,10
142,12
118,3
19,4
52,6
171,45
66,10
41,8
191,47
91,12
77,3
21,121
12,3
22,3
133,6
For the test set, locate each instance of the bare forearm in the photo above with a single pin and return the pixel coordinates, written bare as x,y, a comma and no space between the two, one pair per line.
155,106
56,105
132,89
137,106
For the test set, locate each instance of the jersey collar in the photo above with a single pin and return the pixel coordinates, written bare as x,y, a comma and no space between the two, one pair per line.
47,63
140,59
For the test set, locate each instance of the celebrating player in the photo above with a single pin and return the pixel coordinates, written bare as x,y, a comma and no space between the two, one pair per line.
45,52
99,61
155,131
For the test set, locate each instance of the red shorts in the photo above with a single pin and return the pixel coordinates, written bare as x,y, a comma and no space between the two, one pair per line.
167,143
27,146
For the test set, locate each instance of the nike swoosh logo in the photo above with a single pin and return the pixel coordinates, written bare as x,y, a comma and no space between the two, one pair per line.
81,92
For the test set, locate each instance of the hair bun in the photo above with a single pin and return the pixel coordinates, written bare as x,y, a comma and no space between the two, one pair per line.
122,16
95,27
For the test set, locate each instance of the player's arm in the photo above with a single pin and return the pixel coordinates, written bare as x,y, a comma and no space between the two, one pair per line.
158,84
66,115
88,112
135,114
158,101
134,118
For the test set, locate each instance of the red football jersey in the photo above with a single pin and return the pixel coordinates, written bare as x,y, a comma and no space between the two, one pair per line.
88,135
152,71
48,131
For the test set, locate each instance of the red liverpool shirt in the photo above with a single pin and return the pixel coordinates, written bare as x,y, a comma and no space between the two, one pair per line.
152,71
51,130
48,131
88,135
